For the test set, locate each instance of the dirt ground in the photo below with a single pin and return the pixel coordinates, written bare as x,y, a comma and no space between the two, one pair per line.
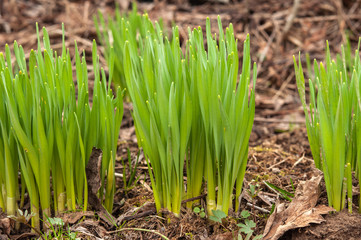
279,150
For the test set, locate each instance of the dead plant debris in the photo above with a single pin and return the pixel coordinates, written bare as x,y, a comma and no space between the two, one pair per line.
279,150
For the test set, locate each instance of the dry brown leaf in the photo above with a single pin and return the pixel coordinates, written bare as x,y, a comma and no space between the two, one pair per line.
94,183
90,228
73,217
25,236
5,225
145,210
300,213
93,178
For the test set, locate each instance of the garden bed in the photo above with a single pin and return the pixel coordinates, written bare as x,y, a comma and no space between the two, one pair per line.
279,150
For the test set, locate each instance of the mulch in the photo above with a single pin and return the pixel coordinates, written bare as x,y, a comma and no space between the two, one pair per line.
279,150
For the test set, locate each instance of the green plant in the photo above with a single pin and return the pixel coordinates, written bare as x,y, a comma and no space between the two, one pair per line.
199,211
253,191
162,111
24,218
217,216
226,111
56,227
191,103
283,193
247,227
130,180
49,128
356,133
331,124
130,28
245,214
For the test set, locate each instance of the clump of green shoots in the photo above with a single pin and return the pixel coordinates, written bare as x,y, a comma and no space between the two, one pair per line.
225,106
189,106
356,134
131,28
331,121
49,127
156,81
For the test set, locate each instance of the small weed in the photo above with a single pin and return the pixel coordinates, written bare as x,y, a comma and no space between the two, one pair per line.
247,227
24,218
56,225
199,211
129,181
218,215
253,191
245,214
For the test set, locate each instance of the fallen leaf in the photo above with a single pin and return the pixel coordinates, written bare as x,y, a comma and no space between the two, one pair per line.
90,228
93,178
25,236
73,217
84,232
146,210
300,213
5,225
94,183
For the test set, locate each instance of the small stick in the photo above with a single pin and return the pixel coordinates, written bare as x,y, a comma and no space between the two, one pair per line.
258,208
194,198
299,160
143,214
119,175
265,51
290,18
279,163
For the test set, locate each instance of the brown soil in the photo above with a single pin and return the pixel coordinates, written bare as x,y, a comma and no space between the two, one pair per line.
279,149
341,225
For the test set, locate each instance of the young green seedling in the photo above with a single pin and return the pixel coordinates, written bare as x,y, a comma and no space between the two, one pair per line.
331,124
131,28
49,128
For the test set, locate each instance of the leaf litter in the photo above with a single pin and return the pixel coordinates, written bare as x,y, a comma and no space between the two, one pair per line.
279,150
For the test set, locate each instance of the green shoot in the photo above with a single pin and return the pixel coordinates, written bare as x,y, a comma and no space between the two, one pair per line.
283,193
130,180
49,128
130,28
330,122
189,106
